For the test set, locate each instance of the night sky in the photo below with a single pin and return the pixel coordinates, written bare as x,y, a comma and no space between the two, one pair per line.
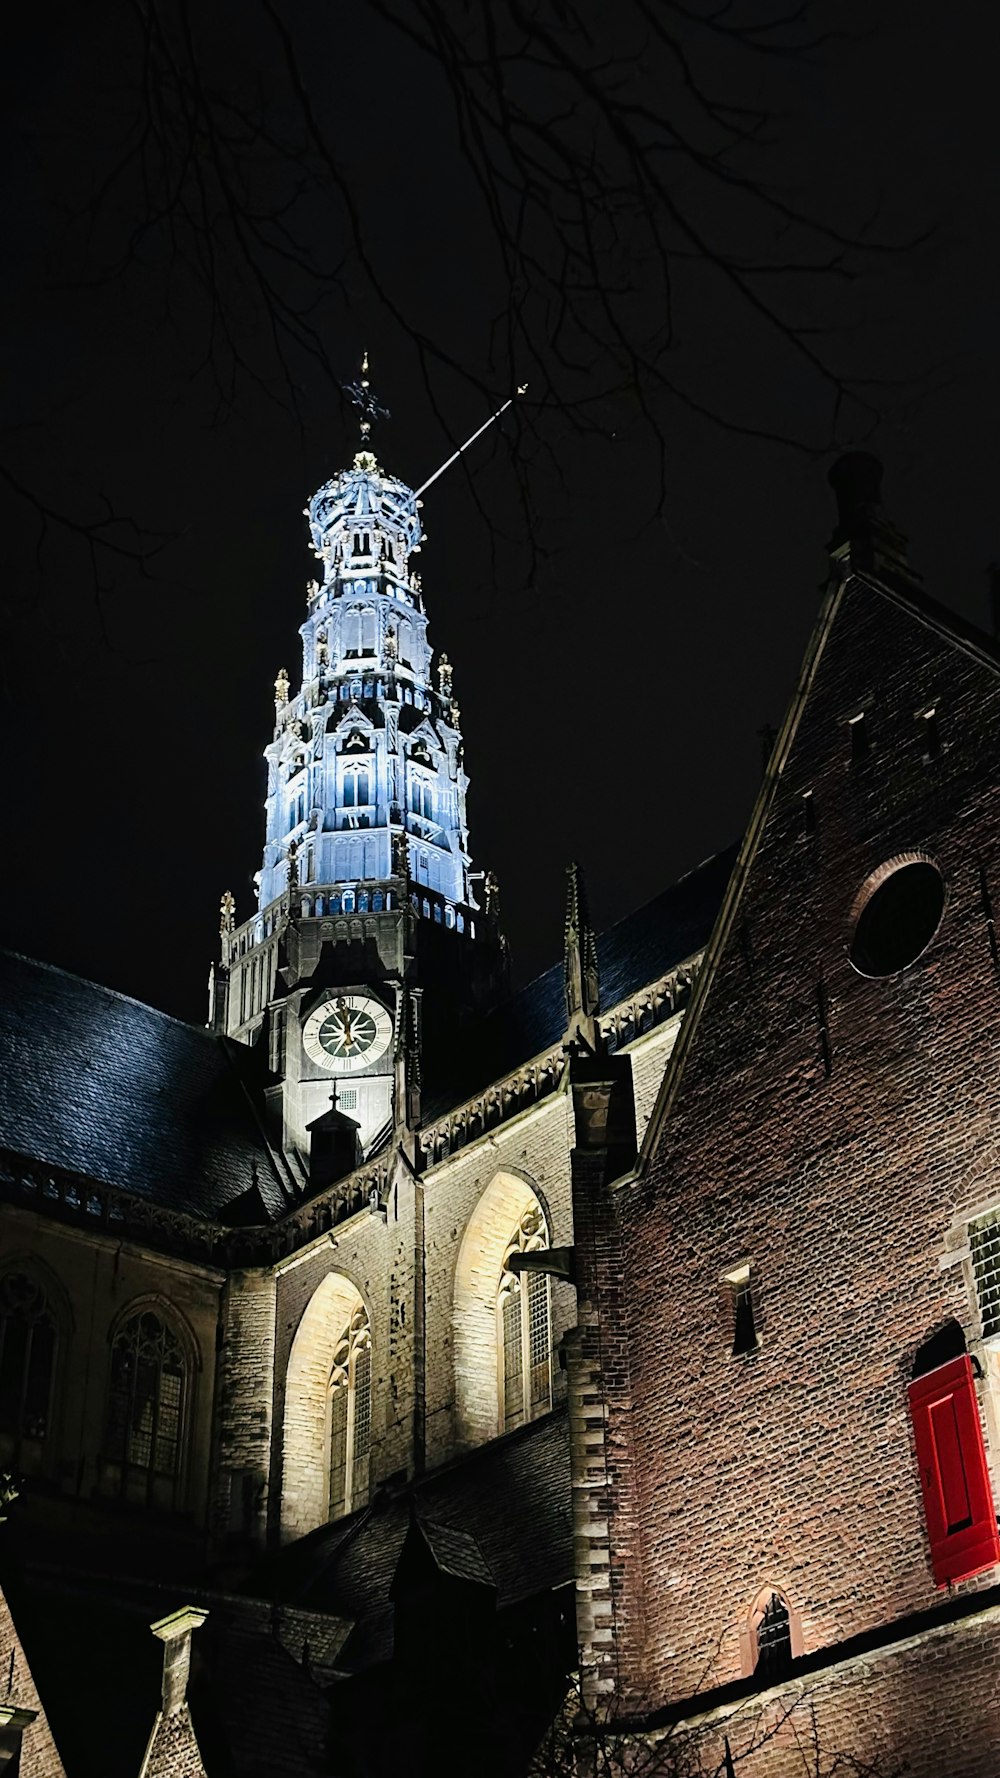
615,665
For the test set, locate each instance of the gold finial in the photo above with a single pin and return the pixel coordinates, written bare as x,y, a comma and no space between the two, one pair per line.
281,688
227,913
369,408
445,673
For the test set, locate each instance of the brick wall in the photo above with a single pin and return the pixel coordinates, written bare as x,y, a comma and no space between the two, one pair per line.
830,1129
39,1757
859,1715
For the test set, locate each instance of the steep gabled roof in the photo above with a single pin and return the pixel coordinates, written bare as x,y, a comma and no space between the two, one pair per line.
121,1094
912,600
501,1516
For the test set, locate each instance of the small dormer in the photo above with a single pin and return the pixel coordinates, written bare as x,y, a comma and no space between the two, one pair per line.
334,1147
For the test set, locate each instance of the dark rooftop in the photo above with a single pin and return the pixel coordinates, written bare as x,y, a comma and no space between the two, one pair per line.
501,1515
638,949
124,1095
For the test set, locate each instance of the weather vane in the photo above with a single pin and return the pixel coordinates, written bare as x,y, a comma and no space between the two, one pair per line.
369,408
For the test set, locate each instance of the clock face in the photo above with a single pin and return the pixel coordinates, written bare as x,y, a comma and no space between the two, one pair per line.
346,1032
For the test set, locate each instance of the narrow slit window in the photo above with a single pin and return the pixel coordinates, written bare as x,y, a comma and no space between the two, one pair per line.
740,1285
930,733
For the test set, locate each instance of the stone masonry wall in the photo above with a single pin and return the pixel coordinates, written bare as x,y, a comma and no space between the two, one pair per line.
532,1149
245,1391
92,1281
376,1257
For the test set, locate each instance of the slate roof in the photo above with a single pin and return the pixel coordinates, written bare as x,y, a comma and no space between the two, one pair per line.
638,949
103,1086
456,1552
256,1706
501,1515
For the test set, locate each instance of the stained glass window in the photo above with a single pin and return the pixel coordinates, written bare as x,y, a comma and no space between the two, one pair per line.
27,1359
145,1411
351,1417
523,1331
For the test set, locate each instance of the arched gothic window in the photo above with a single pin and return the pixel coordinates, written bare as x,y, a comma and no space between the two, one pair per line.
404,640
367,631
145,1411
351,1417
422,796
524,1343
27,1362
771,1637
350,633
357,785
297,803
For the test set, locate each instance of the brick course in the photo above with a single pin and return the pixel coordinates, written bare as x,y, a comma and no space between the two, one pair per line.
831,1129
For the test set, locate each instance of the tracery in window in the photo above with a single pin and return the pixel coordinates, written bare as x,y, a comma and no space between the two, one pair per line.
422,796
145,1411
351,1417
27,1362
524,1345
773,1634
357,786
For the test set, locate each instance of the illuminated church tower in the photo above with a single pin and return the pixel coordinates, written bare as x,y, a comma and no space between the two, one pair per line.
367,927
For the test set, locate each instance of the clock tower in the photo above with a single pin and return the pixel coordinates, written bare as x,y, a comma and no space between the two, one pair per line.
368,932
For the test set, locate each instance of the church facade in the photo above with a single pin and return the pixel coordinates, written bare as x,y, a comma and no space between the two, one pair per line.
432,1364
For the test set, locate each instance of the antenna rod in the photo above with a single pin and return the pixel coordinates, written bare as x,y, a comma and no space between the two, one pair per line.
469,441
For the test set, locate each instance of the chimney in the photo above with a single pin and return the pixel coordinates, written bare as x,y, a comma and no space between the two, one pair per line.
864,539
13,1723
175,1633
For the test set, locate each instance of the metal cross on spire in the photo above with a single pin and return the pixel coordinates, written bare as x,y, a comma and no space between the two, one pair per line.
369,408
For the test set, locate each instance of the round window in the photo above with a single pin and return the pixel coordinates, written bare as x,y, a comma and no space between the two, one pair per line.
899,915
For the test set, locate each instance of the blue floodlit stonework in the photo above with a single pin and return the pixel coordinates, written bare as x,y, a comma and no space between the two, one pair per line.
366,762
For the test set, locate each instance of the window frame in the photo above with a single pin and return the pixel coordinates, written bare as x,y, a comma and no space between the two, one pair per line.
749,1628
115,1470
740,1291
23,1449
526,1239
355,1344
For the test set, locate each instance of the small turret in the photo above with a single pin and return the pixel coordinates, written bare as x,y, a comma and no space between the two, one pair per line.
582,984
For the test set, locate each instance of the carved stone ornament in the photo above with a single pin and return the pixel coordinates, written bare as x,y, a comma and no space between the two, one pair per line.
281,688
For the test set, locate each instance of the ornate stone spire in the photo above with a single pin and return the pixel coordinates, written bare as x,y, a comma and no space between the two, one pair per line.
366,778
580,962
